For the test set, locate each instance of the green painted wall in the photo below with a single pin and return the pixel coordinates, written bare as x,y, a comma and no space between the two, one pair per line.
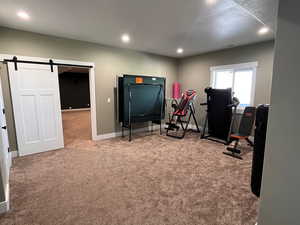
194,72
109,62
8,107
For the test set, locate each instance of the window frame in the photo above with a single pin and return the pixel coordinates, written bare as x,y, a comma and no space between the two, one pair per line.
235,67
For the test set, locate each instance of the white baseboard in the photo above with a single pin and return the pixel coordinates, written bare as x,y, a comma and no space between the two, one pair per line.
144,129
110,135
14,154
9,160
193,126
74,110
126,132
4,206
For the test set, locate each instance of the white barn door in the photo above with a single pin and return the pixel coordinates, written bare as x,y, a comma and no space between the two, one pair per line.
36,105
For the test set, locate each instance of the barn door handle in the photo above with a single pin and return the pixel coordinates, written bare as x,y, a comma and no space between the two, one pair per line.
4,128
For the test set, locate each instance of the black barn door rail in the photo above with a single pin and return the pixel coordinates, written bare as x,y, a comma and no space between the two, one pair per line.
51,63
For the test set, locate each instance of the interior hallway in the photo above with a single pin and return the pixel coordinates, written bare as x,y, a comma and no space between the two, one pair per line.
153,180
77,128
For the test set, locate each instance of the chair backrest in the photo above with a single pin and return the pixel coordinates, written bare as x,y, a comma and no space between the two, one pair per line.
247,121
186,99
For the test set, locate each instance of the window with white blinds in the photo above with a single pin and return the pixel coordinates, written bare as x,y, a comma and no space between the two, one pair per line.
239,77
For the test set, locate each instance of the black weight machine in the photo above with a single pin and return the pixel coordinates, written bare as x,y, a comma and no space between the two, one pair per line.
220,115
181,117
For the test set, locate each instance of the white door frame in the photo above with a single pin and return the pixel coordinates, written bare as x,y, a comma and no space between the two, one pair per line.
6,162
79,63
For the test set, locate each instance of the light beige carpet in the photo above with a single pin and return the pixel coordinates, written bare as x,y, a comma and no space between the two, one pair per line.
153,180
77,128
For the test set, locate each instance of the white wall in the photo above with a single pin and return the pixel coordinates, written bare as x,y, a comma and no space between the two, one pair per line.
280,203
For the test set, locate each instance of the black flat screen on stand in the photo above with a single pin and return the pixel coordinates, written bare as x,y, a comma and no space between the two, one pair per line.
141,99
146,102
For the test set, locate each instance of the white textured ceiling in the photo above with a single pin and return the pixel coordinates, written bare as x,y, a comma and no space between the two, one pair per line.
263,10
156,26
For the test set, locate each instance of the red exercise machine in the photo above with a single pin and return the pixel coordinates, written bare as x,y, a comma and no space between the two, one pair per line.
181,117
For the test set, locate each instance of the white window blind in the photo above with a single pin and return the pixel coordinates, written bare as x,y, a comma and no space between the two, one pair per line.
239,77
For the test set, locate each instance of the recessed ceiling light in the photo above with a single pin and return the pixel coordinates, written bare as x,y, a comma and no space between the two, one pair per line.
23,15
125,38
263,30
211,2
179,50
